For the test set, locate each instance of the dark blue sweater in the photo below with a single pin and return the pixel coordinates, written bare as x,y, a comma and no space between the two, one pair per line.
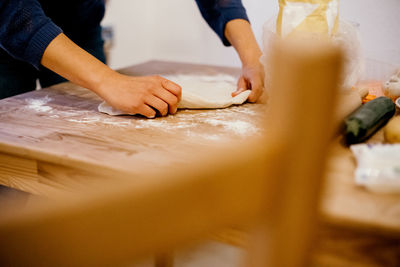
28,26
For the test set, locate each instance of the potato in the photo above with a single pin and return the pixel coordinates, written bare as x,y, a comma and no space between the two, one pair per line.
392,130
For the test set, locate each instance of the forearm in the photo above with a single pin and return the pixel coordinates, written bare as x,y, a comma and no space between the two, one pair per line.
134,95
75,64
240,35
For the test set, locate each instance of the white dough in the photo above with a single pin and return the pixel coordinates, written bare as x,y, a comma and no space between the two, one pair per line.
199,92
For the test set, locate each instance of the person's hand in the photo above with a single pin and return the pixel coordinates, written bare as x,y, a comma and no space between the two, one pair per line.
135,95
146,95
239,34
252,78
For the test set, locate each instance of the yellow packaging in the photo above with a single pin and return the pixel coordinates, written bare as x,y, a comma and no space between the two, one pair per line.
307,16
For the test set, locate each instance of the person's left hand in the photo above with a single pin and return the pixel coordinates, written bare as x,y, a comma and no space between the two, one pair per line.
252,78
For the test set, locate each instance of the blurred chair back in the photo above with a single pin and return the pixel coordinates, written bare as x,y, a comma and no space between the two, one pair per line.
271,183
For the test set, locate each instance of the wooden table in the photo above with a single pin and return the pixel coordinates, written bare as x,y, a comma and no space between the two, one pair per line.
55,140
51,138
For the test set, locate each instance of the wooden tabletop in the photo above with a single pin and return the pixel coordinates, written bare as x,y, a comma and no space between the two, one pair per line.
55,139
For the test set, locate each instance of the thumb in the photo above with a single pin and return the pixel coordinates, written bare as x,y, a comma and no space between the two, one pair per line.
241,87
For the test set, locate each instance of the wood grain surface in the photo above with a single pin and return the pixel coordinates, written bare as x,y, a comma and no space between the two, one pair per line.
55,140
61,125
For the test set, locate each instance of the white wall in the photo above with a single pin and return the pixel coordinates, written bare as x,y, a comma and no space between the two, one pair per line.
175,30
379,26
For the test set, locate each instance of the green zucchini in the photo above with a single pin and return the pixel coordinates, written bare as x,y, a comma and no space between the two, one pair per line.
368,119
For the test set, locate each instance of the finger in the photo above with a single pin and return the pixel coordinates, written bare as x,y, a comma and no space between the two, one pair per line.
256,90
172,87
241,87
238,91
169,98
158,104
147,111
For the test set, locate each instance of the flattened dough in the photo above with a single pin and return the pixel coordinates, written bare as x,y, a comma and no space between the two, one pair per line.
199,92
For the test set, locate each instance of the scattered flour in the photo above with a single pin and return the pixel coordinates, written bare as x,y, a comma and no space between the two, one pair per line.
224,119
190,122
237,126
162,124
243,110
95,119
39,104
211,137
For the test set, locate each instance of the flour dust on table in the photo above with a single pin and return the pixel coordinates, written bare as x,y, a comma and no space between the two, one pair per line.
199,92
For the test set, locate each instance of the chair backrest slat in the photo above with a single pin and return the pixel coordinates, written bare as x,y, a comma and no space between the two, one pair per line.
272,182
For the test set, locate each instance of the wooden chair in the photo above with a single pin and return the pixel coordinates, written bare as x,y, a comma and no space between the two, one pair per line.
271,184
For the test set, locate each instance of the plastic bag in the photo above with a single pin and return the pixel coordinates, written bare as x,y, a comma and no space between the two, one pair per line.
307,16
347,37
378,167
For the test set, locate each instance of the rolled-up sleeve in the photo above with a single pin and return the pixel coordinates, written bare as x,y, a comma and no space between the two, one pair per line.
25,31
218,13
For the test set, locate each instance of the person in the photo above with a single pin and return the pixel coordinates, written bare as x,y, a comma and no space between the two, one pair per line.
57,40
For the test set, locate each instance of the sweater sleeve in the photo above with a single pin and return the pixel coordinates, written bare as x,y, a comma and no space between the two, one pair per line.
25,31
219,12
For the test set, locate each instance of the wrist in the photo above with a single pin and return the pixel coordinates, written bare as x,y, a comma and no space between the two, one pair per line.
75,64
249,53
251,60
100,79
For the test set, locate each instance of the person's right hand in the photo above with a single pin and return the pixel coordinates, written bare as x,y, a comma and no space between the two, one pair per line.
145,95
